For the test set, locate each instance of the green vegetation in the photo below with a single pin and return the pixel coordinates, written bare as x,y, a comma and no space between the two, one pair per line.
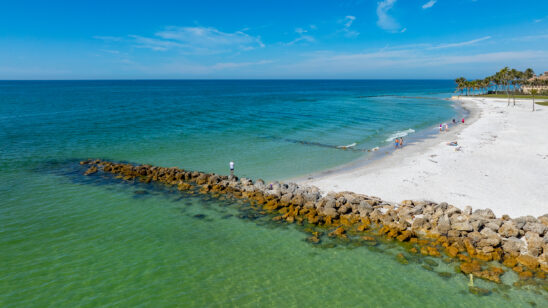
509,81
516,96
542,103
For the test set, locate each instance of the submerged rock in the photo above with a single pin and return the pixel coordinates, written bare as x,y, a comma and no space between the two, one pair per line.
479,291
401,258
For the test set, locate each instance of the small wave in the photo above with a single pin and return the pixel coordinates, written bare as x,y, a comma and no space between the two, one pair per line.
399,134
347,146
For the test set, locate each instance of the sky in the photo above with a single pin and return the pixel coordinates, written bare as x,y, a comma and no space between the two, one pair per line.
264,39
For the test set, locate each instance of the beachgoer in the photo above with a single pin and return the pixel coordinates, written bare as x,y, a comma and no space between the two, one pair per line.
454,121
440,127
396,143
401,142
462,120
231,164
446,127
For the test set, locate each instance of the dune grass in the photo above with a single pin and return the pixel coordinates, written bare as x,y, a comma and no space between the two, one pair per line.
542,103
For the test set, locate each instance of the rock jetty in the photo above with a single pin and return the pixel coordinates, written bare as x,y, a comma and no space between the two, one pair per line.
474,238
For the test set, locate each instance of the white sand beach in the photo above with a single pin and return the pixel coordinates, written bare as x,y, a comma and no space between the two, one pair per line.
502,163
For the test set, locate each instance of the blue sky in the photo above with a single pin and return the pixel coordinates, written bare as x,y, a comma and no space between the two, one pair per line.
412,39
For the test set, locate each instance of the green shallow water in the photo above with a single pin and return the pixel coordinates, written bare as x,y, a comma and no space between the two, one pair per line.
90,241
72,241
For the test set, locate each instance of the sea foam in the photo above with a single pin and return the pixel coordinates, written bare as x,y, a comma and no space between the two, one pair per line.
399,134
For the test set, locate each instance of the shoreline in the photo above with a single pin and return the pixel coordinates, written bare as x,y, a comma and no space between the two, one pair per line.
430,170
415,143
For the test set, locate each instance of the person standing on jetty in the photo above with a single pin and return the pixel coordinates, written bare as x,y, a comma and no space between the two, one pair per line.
231,165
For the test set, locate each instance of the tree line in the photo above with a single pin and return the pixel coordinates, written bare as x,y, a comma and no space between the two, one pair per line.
508,81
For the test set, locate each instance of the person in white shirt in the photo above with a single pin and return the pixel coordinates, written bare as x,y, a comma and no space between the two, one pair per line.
231,164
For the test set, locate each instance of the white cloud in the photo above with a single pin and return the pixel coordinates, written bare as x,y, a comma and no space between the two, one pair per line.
429,4
451,45
347,23
408,62
154,43
208,37
303,37
202,40
349,20
386,21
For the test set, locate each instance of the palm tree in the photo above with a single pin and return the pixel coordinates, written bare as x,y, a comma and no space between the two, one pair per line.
515,79
528,73
534,92
460,84
505,78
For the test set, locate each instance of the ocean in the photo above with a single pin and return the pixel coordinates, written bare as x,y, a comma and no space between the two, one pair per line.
67,240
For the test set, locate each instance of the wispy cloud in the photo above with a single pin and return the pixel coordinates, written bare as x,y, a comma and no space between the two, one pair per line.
303,36
384,20
429,4
460,44
407,61
205,40
154,43
347,23
210,38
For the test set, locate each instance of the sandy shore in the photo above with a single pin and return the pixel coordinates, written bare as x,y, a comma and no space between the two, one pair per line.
502,163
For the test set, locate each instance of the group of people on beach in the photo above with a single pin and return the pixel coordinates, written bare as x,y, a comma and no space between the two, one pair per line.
398,143
445,126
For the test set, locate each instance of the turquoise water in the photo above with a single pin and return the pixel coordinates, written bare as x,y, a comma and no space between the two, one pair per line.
68,240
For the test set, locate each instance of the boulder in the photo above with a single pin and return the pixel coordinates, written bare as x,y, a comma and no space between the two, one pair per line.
330,212
520,221
467,210
462,226
364,208
528,261
420,223
492,225
534,227
339,232
512,246
286,198
491,241
470,267
91,170
452,210
534,244
475,236
345,208
485,213
509,229
458,218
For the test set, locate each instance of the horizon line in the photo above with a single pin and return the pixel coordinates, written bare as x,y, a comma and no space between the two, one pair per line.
234,79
